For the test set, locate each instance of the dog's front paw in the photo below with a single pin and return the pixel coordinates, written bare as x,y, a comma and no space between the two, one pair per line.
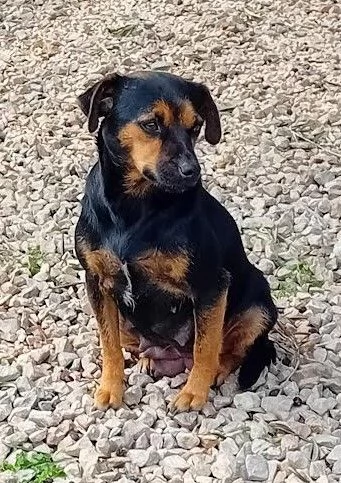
109,395
190,397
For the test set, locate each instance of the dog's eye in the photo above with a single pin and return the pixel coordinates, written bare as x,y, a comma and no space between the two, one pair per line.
150,126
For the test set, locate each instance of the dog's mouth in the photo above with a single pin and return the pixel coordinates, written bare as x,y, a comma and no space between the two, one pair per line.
169,185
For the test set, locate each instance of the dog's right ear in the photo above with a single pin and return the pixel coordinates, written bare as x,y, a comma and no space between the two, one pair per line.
98,100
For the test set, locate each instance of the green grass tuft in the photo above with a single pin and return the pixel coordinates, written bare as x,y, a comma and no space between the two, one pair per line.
35,260
301,278
42,464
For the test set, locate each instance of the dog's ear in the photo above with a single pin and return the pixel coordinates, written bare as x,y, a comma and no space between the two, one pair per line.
208,110
98,100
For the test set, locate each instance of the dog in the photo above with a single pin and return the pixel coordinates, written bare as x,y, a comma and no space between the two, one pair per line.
166,272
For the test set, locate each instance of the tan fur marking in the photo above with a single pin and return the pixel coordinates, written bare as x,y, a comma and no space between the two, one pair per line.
166,270
103,264
144,153
144,150
188,116
239,336
135,184
110,391
163,110
207,346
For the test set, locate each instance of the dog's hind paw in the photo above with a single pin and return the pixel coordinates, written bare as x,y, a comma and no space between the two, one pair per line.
145,365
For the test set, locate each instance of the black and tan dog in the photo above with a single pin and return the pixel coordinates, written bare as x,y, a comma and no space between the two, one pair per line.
166,272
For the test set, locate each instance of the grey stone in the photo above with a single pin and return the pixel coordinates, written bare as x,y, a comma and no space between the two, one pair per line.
8,373
257,468
334,455
247,401
321,405
104,447
25,475
133,396
16,439
337,468
144,457
44,418
57,433
38,436
176,462
142,442
4,451
88,457
187,440
229,446
317,469
297,459
40,355
133,429
5,411
279,406
224,466
186,420
8,477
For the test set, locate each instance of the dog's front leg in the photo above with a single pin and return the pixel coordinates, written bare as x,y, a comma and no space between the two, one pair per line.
207,345
110,391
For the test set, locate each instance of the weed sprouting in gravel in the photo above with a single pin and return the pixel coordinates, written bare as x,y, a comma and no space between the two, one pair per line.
35,258
45,470
301,278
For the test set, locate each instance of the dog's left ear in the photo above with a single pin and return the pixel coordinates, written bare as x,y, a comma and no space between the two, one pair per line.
208,110
98,100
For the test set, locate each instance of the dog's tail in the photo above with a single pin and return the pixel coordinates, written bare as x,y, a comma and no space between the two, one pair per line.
261,354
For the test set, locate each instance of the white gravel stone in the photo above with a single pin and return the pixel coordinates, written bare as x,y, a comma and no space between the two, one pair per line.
247,401
5,411
176,462
8,373
187,440
133,395
334,455
224,465
257,468
317,469
144,457
277,405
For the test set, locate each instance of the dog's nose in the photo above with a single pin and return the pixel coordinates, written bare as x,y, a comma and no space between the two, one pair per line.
186,169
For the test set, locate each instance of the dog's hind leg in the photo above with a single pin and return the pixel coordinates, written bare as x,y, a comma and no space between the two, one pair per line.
261,354
246,344
207,346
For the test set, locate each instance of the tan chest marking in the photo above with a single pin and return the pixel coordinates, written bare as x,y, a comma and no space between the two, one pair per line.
107,266
167,270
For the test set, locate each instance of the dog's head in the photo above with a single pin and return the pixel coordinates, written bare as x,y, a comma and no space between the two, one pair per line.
153,120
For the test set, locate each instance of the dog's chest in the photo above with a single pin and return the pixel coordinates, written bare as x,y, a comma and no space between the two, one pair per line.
129,279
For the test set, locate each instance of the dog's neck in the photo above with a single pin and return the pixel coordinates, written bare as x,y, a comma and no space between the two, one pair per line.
112,165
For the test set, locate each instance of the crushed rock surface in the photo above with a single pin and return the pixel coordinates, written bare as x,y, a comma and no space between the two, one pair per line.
274,68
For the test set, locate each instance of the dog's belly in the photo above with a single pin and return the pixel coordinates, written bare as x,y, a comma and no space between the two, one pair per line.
169,359
161,324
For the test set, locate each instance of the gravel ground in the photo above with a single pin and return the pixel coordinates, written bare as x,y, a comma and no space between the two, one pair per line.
274,67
